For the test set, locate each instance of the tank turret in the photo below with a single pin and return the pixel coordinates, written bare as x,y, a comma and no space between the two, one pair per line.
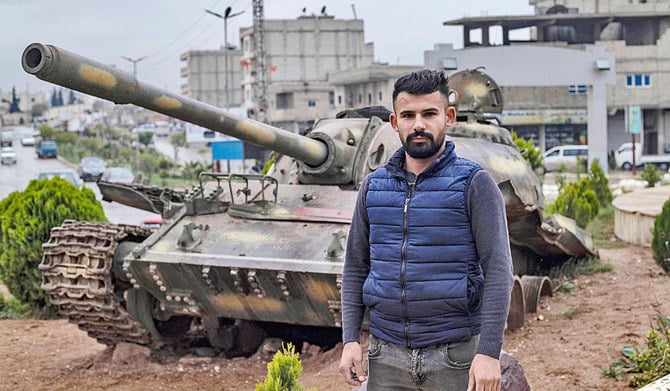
240,256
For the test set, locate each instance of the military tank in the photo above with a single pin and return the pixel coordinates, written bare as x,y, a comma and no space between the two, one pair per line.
245,256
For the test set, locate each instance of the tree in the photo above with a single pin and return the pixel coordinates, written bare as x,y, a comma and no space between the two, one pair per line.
26,220
529,151
660,242
145,138
283,372
178,140
578,201
71,100
14,104
37,110
54,98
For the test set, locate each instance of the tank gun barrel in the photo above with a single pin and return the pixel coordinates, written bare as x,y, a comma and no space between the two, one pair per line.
64,68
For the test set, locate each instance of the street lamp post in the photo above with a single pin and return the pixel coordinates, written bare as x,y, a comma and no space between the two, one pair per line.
134,61
227,15
137,133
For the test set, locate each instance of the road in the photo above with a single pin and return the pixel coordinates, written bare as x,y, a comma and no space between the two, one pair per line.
16,178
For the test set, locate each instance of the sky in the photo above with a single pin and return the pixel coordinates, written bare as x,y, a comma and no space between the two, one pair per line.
161,30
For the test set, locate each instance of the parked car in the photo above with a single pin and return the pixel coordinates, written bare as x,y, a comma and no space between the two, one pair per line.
91,168
118,175
7,155
6,138
624,158
27,139
46,148
66,173
564,157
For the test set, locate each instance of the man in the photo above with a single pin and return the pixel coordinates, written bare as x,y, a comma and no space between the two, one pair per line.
428,254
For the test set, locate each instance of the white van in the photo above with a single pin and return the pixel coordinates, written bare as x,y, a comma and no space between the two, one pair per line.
564,156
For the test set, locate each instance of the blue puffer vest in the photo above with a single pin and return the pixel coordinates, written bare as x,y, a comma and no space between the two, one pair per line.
425,282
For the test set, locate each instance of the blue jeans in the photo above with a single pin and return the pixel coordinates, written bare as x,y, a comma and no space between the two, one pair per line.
440,367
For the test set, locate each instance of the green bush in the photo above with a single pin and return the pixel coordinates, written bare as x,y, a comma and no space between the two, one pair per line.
660,241
578,201
651,363
12,308
599,183
283,372
651,175
26,219
529,151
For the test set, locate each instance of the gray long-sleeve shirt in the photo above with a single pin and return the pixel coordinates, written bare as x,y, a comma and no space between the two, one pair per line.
489,228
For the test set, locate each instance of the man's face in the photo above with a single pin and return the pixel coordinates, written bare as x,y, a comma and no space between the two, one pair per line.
421,122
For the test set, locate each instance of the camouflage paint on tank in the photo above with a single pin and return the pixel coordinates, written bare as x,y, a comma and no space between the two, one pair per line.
97,76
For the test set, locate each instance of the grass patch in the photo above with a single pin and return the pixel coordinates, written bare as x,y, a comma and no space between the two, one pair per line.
602,229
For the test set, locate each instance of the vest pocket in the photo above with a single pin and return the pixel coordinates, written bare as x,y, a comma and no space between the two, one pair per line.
475,286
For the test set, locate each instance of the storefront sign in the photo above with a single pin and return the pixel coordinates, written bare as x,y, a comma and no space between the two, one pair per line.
543,117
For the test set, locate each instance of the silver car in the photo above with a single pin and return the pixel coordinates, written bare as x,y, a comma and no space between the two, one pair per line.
7,155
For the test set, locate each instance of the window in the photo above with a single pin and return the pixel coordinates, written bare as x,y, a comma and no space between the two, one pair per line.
360,98
285,100
577,89
380,96
339,99
311,103
638,80
331,98
369,98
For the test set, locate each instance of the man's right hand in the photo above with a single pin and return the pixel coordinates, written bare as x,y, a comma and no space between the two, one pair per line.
351,364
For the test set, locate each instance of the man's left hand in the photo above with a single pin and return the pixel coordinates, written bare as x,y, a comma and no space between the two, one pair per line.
485,374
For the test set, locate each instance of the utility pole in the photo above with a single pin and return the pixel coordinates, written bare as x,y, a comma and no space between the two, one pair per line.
261,67
227,15
137,133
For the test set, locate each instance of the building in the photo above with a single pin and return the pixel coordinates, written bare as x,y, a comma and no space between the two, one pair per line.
205,76
636,31
27,100
367,86
300,55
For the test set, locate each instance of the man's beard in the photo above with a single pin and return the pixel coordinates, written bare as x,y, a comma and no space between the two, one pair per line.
424,149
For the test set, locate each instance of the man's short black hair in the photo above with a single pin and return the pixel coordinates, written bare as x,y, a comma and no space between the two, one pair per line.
425,81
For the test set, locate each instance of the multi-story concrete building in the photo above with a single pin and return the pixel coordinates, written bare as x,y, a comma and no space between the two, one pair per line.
367,86
635,30
205,76
300,55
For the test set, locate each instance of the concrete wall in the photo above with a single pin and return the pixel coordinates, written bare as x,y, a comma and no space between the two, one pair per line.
204,72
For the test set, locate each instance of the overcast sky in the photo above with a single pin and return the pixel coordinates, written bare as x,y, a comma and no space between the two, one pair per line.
163,29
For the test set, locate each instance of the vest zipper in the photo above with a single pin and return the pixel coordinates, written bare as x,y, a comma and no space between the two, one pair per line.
403,260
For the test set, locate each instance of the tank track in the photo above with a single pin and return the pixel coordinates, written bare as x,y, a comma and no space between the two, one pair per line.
77,276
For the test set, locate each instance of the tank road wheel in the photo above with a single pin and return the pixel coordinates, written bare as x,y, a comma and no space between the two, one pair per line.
534,287
517,310
234,337
143,307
